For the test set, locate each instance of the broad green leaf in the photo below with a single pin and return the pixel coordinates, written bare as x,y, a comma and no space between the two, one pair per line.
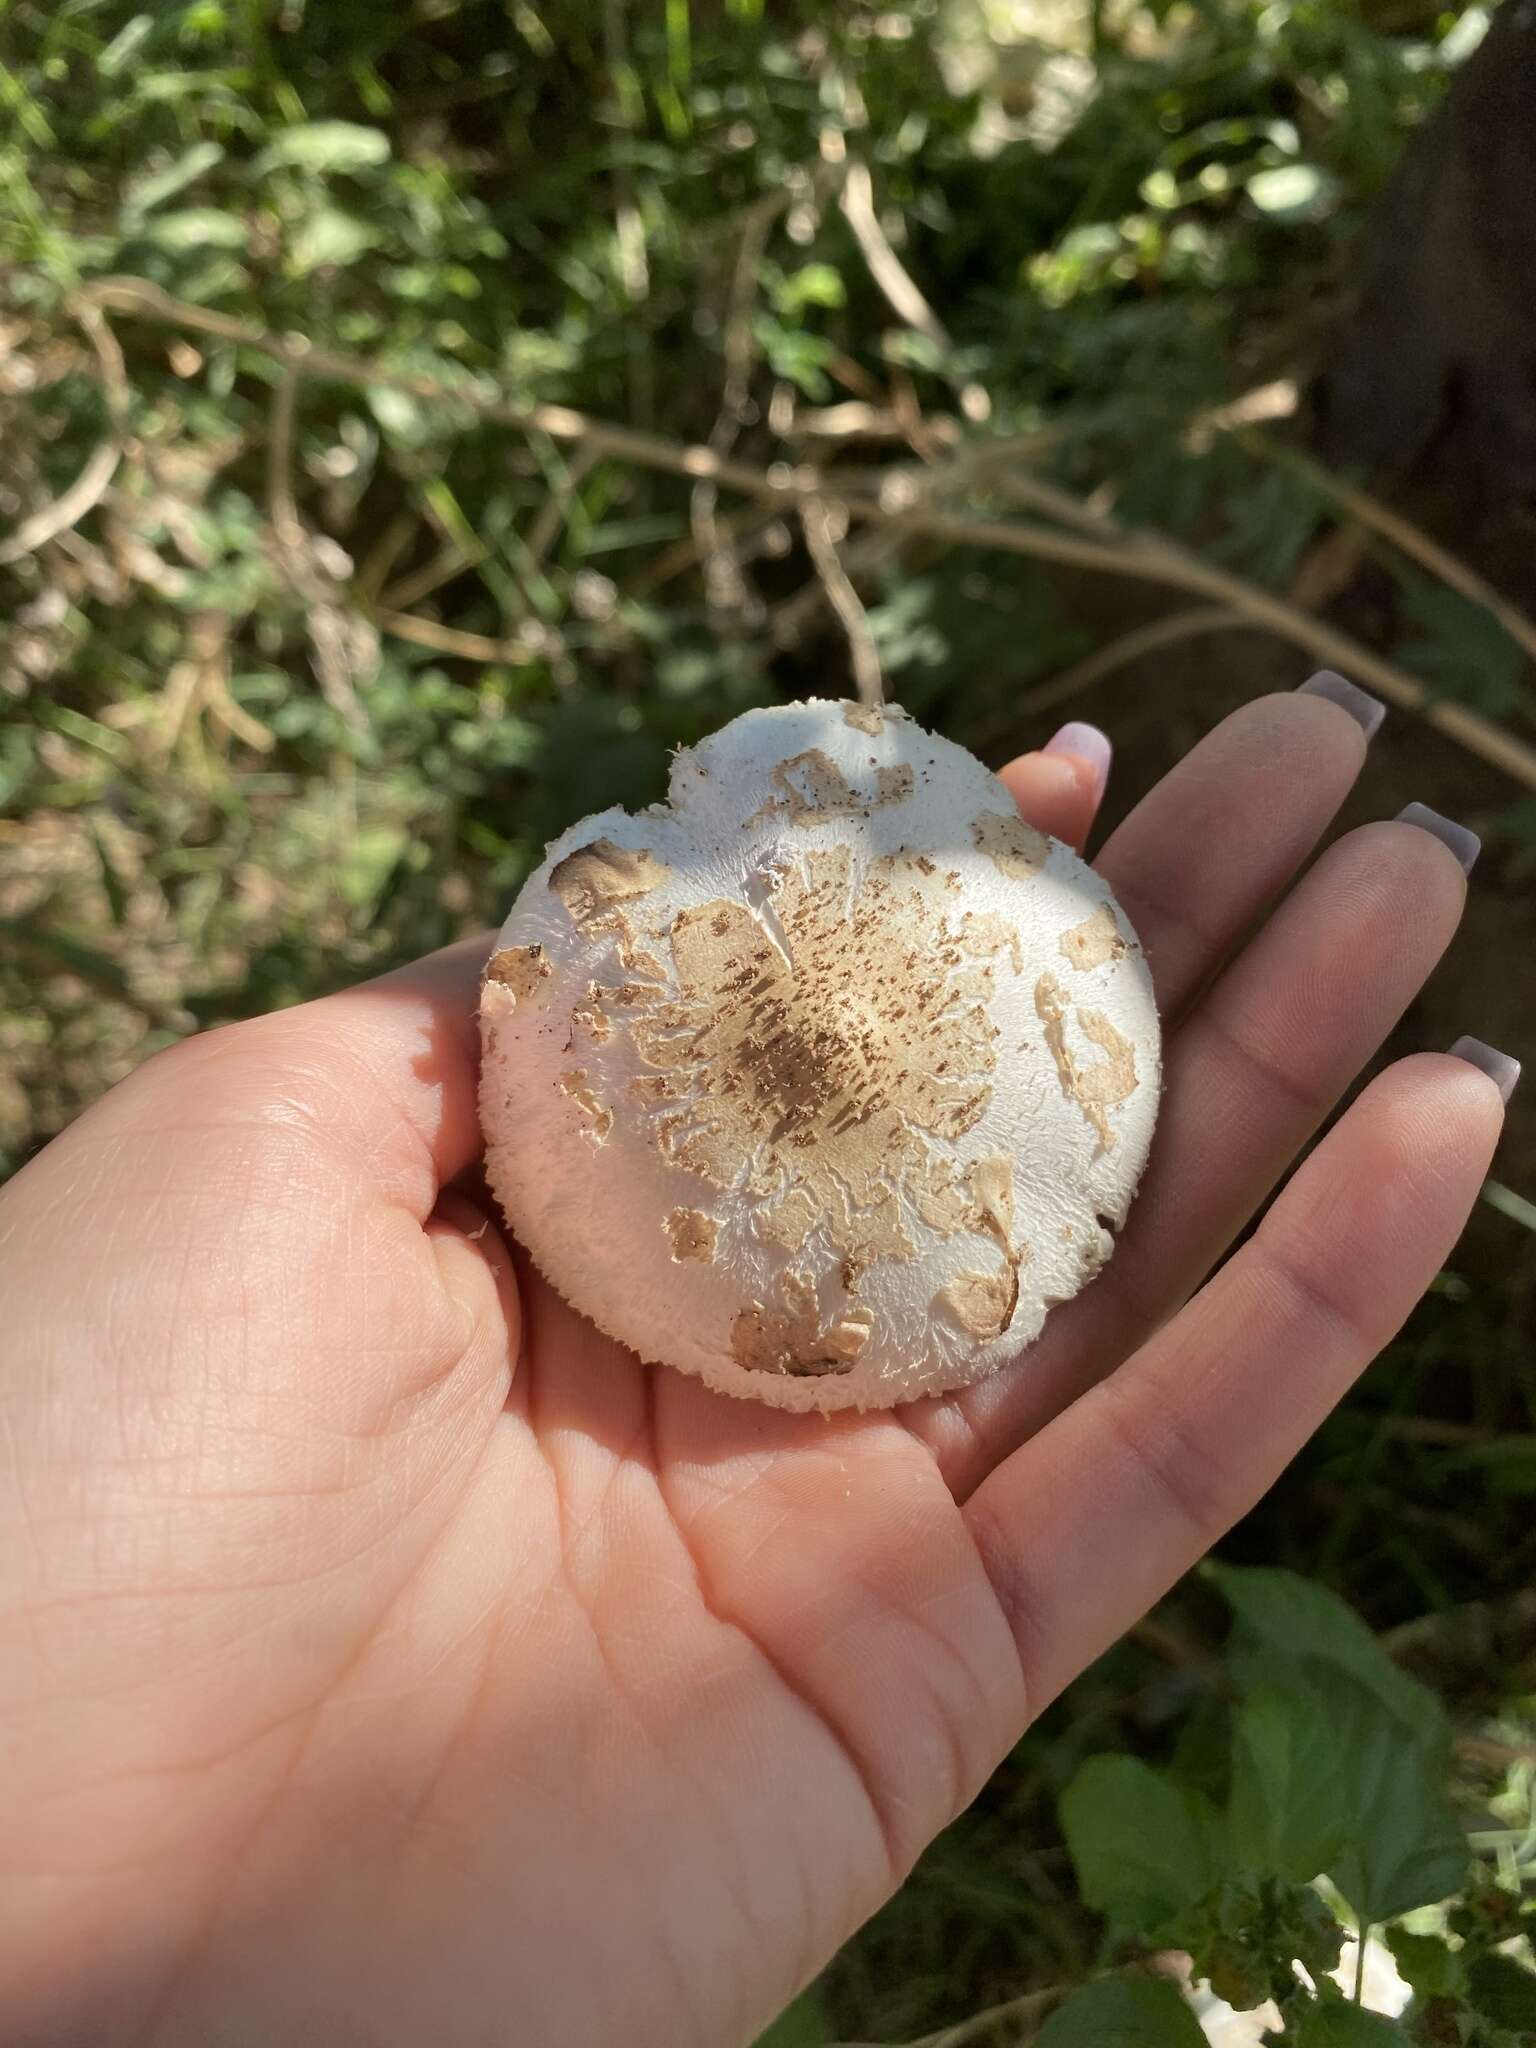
1503,1992
1431,1966
1283,1813
1299,1618
1144,1847
197,227
1402,1846
1335,2022
325,147
1327,1778
1123,2012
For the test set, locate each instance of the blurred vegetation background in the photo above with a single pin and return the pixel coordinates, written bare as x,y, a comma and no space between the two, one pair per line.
416,421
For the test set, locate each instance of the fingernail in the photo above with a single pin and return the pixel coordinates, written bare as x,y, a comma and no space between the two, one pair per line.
1088,744
1501,1070
1462,842
1367,711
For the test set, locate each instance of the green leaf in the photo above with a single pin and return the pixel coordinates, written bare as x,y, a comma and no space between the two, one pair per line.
125,45
1463,650
329,236
1247,1936
801,2025
1283,1812
1145,1847
1402,1846
1292,192
1299,1618
144,194
1503,1992
1434,1969
814,284
1123,2012
399,415
326,147
1338,1757
1508,1465
1334,2022
197,227
368,862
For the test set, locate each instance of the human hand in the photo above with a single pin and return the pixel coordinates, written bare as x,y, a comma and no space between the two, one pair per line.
385,1656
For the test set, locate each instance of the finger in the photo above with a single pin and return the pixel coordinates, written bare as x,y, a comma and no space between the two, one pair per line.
1249,1077
1059,787
1089,1524
1205,853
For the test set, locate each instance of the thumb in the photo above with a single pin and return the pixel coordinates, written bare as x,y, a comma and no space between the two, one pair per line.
475,1268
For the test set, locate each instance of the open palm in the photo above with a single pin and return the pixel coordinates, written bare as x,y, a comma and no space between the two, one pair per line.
387,1657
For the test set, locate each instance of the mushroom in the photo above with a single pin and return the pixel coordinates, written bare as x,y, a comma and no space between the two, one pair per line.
825,1079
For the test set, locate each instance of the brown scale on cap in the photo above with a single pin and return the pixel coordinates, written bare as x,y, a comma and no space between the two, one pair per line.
518,968
595,881
693,1235
1098,1088
1094,942
1015,849
814,787
599,1118
594,878
795,1340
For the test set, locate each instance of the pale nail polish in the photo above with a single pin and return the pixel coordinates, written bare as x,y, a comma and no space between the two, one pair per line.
1501,1070
1088,744
1367,711
1462,841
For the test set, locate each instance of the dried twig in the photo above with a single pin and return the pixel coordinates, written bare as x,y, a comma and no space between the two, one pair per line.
1148,639
453,640
794,614
816,519
419,583
885,266
556,508
1012,2013
1404,535
95,479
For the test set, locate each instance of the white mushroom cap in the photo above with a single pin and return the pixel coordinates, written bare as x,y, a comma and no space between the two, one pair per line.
825,1079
